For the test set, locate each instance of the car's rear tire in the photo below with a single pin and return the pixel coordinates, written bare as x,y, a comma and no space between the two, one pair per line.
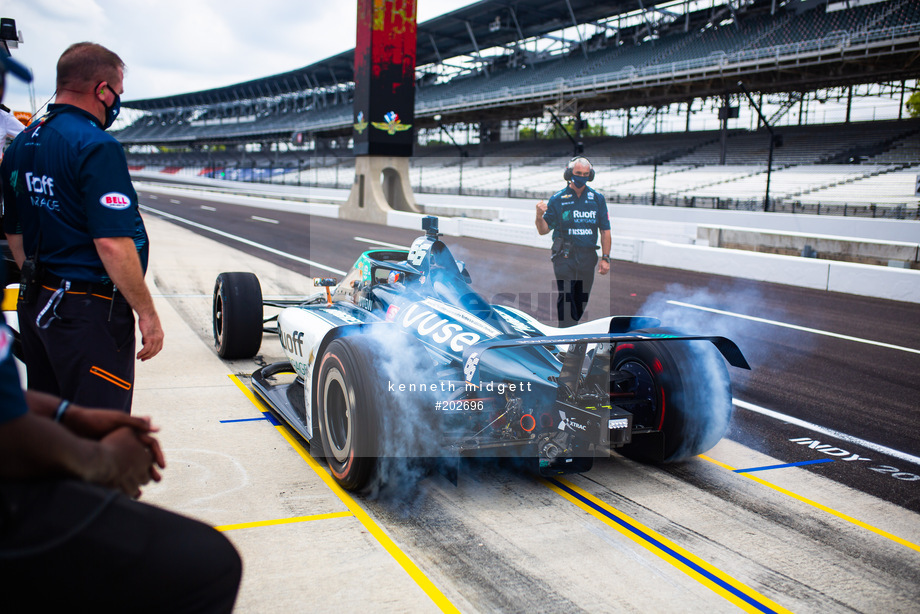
366,429
237,315
688,393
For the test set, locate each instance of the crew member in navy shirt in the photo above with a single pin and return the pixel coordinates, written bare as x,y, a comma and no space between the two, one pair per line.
575,215
70,536
72,211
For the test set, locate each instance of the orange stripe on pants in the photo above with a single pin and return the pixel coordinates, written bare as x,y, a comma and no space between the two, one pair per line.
110,378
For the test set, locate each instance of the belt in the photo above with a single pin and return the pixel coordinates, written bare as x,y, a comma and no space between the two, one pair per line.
53,282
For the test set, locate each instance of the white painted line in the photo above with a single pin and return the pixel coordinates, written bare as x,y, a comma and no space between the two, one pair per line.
263,219
227,235
380,243
795,327
152,196
267,297
826,431
175,202
207,208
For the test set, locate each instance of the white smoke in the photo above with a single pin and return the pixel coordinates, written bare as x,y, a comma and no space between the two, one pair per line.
407,416
757,341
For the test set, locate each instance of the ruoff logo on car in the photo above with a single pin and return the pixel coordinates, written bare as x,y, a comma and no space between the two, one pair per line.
115,200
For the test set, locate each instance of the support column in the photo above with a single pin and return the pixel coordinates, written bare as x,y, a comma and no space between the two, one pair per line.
384,110
381,185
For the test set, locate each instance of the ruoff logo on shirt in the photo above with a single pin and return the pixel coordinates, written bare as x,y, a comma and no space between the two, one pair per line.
115,200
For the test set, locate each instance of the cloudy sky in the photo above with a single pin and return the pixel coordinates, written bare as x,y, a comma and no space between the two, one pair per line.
175,46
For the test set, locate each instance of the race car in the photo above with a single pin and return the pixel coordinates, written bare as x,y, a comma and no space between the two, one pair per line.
402,360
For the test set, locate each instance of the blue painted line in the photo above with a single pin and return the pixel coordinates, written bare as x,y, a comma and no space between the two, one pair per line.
801,464
244,420
265,416
670,552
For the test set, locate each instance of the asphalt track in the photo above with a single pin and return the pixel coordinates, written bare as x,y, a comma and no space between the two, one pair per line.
808,505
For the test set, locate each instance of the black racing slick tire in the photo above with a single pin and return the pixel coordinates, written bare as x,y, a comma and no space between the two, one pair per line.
237,315
683,394
367,430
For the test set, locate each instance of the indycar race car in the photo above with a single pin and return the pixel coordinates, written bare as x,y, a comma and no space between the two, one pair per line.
403,360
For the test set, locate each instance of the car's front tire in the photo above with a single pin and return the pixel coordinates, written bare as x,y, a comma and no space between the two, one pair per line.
347,412
374,425
237,315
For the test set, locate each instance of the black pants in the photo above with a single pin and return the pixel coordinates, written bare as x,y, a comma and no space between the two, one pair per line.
574,279
70,546
86,352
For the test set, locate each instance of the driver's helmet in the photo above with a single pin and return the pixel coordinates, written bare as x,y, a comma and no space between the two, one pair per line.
394,277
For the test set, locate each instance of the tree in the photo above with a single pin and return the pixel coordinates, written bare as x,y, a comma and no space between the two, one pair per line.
913,105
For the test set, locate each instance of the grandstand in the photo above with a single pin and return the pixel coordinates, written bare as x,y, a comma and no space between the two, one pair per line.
493,67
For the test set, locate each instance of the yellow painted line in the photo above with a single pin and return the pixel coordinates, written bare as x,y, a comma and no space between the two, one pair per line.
10,297
815,504
719,582
355,509
271,523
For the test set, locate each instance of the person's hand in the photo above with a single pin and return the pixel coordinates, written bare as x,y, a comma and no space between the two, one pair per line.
541,208
603,267
151,336
133,460
97,423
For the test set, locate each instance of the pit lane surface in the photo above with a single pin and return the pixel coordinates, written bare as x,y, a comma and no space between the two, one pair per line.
502,541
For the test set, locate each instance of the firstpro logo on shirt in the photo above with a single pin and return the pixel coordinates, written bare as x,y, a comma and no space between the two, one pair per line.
115,200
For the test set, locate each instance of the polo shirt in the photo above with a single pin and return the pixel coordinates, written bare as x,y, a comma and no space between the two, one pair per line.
68,177
577,219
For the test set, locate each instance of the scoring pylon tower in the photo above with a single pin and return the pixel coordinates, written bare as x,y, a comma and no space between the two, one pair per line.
384,110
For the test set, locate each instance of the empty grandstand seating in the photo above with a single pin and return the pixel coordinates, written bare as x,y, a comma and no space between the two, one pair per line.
811,165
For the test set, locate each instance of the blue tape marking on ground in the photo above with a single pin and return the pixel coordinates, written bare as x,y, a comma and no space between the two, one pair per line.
810,462
675,555
265,416
244,420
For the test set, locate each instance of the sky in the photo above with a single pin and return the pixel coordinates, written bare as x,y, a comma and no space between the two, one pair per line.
178,46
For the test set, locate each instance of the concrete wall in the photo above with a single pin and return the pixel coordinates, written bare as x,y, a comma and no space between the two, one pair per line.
864,280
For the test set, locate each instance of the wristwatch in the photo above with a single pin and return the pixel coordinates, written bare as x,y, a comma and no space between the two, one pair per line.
605,258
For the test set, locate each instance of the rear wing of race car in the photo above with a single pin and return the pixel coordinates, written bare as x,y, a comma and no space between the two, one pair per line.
473,354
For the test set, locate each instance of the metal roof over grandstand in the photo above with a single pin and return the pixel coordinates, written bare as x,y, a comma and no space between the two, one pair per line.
483,25
632,60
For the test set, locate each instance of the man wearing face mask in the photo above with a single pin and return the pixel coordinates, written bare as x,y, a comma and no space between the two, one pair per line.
75,230
575,215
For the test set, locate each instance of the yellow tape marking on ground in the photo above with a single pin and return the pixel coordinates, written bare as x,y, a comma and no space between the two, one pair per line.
817,505
271,523
763,601
404,561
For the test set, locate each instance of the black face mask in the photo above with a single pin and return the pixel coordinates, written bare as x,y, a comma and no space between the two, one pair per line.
111,112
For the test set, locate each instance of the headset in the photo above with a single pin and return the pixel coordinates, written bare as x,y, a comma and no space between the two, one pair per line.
567,173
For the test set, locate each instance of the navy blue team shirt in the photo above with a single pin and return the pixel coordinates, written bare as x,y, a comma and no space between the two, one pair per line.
68,174
575,219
